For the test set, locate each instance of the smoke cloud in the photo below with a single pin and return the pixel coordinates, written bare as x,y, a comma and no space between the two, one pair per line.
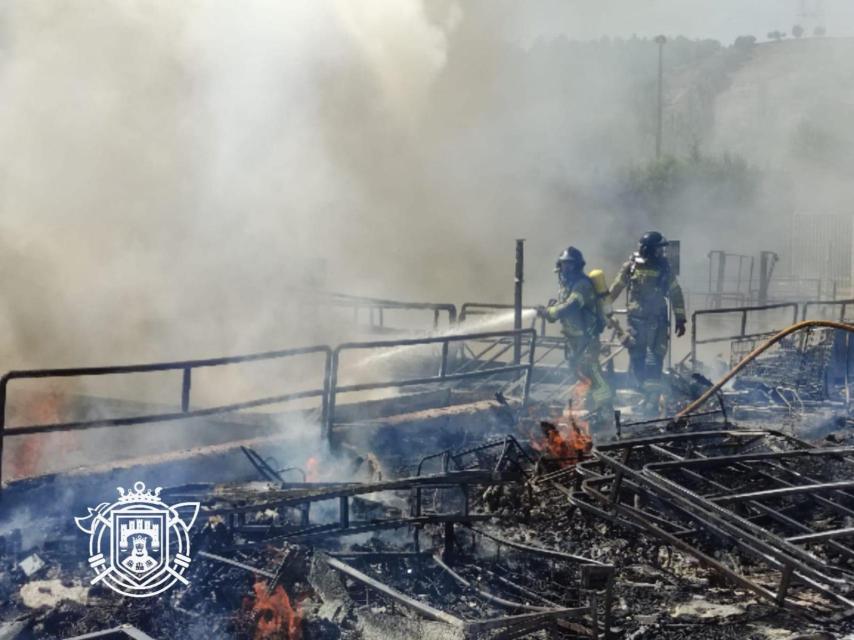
174,171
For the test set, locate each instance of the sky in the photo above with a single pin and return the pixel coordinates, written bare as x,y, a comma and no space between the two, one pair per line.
722,20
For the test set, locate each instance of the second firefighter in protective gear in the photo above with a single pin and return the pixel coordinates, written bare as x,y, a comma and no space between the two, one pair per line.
650,284
578,310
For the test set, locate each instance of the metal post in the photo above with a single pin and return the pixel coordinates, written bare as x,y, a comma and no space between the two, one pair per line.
517,299
694,342
750,282
344,511
3,383
763,282
660,40
186,382
609,599
721,276
785,581
529,373
324,399
767,260
330,404
448,548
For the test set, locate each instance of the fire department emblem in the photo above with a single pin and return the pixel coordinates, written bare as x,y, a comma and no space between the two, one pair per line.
139,546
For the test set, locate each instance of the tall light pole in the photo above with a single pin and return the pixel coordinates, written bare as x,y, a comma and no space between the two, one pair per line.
660,41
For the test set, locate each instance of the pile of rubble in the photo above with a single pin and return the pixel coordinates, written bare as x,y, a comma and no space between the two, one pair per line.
707,531
695,527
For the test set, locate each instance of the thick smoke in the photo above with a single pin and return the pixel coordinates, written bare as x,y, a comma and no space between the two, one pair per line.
173,172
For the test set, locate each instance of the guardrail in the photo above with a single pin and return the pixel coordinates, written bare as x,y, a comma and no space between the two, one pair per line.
185,366
377,306
491,308
842,304
744,311
444,376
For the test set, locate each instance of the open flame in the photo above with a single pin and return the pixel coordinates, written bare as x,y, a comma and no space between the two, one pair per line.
39,409
567,439
276,618
312,469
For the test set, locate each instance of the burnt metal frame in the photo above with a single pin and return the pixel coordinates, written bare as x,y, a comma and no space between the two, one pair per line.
262,466
508,443
444,376
666,421
742,335
589,567
186,367
303,497
709,514
535,616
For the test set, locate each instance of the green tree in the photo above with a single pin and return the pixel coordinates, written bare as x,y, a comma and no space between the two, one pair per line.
671,188
745,42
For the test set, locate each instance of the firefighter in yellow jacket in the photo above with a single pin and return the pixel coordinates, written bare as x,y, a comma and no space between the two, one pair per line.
579,313
650,284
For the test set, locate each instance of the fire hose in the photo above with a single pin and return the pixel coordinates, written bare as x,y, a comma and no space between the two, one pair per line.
750,357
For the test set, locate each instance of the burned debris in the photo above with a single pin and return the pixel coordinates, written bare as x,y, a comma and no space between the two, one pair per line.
480,504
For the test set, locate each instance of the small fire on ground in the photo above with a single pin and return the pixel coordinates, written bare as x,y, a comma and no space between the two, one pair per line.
276,618
566,439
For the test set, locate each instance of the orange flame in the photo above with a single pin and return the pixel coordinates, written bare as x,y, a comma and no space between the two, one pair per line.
312,473
277,619
40,409
568,438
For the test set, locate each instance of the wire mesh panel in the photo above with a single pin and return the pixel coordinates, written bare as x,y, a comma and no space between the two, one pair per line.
799,366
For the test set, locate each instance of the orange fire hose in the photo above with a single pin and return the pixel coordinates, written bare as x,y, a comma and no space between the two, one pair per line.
807,324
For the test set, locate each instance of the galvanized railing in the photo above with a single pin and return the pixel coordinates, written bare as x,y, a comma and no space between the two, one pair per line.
186,367
376,308
327,391
744,312
842,305
444,376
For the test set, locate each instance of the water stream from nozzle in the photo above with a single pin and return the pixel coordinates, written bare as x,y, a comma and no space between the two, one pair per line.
488,323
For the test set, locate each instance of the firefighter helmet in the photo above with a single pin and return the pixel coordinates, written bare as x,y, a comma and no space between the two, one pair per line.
651,244
571,258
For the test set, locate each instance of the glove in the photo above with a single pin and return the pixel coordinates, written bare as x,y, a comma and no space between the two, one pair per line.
680,327
541,311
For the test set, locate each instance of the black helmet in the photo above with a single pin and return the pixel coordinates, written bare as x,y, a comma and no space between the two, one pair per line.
571,257
651,244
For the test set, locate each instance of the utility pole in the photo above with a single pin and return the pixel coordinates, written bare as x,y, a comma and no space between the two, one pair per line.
660,41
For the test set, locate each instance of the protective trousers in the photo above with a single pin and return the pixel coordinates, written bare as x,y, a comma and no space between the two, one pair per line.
582,354
646,355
